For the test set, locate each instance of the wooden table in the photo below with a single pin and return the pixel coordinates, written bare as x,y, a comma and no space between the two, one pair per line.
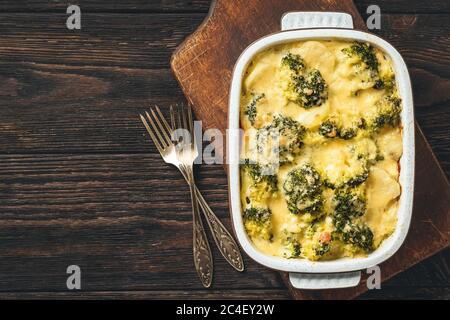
81,184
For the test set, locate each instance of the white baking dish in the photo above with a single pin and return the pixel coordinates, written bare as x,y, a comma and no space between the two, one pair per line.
342,272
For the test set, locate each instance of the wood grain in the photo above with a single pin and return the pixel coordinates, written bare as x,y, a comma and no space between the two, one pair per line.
112,6
104,38
127,229
112,87
201,52
80,183
414,293
139,6
118,224
259,294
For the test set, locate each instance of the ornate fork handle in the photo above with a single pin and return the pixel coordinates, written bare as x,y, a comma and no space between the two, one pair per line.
202,253
224,241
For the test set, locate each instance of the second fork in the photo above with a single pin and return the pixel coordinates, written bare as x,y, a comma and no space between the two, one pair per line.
186,153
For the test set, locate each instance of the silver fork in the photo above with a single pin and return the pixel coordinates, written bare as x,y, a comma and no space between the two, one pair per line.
186,154
161,133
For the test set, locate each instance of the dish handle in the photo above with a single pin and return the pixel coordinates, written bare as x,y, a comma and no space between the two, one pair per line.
308,20
325,280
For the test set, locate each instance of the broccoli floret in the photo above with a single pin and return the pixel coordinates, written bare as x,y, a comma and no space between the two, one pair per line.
366,65
321,249
306,88
289,127
379,157
349,203
303,190
351,182
260,176
379,84
360,236
331,129
358,179
289,134
365,53
292,244
250,109
258,222
347,133
296,249
309,90
388,114
294,62
387,82
328,184
340,221
362,123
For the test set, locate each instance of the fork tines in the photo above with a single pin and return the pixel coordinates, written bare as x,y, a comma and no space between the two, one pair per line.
181,117
158,128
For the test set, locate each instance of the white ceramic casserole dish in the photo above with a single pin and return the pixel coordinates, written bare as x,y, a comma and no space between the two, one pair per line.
345,272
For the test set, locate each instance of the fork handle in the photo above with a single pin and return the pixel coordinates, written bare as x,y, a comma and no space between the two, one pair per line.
202,252
223,239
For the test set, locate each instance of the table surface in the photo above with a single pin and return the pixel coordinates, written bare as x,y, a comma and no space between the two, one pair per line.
80,183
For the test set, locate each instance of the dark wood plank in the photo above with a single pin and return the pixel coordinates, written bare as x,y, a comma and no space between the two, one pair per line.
410,293
109,84
115,75
142,41
104,39
101,115
421,40
404,6
122,6
434,122
418,293
128,229
46,186
432,272
139,6
242,294
118,225
103,110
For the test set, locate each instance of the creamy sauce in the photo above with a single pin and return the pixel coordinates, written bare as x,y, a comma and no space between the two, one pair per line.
351,99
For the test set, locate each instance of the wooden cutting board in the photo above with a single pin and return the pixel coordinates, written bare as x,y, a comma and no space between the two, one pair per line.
203,65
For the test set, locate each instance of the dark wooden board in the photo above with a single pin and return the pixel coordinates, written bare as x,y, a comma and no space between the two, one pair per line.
75,162
118,224
193,294
216,46
128,229
149,6
419,293
119,76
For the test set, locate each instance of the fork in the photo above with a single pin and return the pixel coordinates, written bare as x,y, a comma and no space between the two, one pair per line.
161,133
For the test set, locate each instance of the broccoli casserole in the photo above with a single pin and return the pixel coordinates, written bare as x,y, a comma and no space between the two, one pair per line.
321,149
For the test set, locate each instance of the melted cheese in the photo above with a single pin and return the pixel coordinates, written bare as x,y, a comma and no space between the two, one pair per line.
335,159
